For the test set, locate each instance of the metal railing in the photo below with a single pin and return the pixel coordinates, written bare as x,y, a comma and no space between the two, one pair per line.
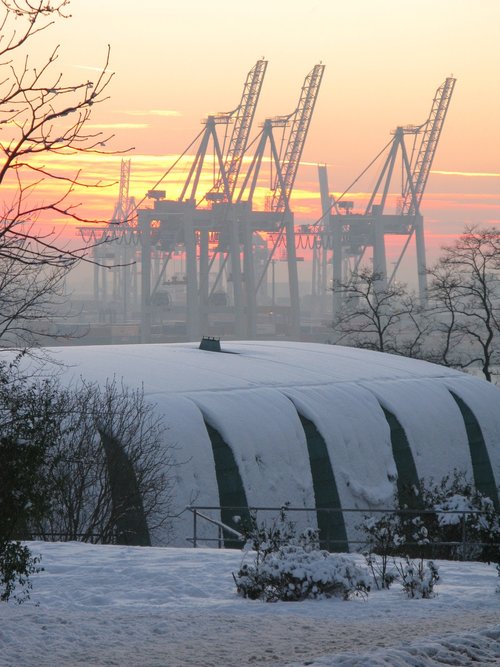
228,537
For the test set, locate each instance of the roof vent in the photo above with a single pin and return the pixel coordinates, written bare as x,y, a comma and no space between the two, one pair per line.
210,344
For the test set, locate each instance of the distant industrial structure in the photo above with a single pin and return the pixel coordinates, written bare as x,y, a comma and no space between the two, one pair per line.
348,234
229,248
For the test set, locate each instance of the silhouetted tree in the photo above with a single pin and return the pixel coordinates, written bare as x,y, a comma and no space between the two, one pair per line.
377,316
464,296
40,116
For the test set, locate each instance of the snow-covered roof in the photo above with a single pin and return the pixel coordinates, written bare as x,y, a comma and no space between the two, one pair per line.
183,367
258,395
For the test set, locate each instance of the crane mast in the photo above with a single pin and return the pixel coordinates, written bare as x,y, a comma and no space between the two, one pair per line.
301,120
428,145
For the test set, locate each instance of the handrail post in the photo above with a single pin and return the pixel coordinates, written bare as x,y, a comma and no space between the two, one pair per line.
463,537
195,537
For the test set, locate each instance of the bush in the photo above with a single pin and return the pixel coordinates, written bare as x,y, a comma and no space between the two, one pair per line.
383,539
418,578
290,567
27,431
440,513
16,565
455,493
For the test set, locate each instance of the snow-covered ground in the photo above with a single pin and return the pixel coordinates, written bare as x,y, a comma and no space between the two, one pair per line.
152,607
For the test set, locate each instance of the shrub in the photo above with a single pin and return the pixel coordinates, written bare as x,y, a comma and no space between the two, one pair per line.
27,431
442,512
288,566
455,494
383,539
16,565
418,578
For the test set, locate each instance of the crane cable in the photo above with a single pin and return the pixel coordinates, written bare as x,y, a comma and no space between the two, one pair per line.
325,213
167,172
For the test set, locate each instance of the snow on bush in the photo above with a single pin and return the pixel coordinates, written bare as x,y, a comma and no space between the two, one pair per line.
418,578
383,538
292,573
455,503
449,519
459,508
280,564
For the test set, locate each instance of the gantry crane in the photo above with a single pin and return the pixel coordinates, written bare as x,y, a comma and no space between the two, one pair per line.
285,168
300,122
221,214
244,115
184,222
351,234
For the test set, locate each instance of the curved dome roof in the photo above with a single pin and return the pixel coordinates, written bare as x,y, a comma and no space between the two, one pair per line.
264,423
183,367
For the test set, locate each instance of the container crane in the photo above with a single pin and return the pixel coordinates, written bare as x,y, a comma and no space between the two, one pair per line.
223,190
300,122
184,223
351,234
113,248
415,186
286,168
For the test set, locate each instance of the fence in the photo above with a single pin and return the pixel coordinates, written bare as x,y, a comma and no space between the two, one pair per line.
463,548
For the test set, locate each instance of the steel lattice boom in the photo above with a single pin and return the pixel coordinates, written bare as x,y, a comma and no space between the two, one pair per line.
301,120
243,122
428,145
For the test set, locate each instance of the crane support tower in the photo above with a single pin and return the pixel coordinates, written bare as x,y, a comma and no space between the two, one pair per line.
222,223
349,234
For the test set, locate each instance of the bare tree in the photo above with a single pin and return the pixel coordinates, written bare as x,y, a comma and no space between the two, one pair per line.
465,298
40,116
111,471
376,316
29,296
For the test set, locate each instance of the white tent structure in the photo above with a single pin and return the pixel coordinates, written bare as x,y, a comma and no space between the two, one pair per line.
265,423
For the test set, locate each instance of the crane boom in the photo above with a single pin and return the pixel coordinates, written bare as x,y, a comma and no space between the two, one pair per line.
430,138
243,122
300,125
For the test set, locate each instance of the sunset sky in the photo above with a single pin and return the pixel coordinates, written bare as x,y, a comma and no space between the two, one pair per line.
176,62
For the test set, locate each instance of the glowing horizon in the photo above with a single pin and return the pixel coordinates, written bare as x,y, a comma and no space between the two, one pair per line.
158,96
